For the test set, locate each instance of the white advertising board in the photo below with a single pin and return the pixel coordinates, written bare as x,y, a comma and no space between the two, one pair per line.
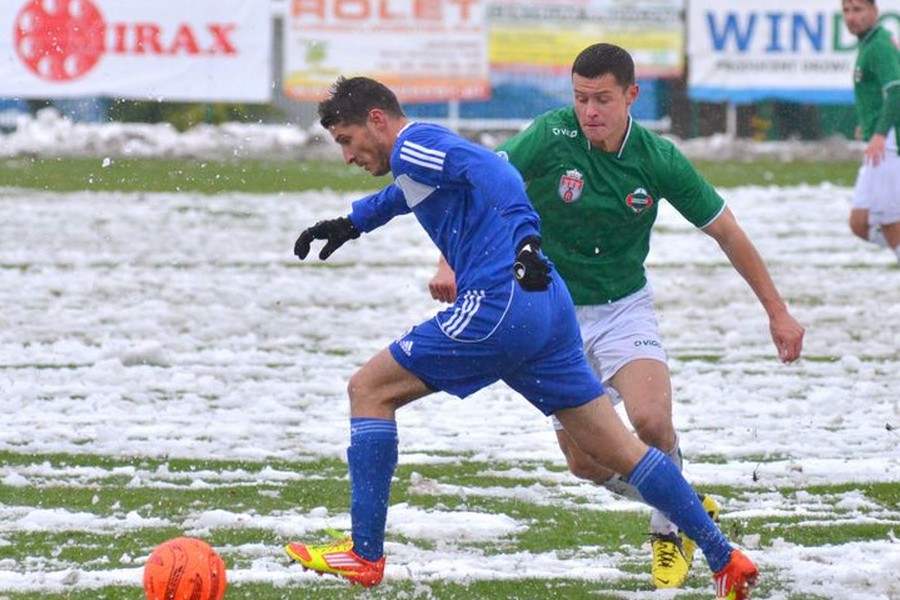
424,50
201,50
791,50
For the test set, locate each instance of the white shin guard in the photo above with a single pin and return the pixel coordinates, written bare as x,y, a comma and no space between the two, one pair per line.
619,486
675,454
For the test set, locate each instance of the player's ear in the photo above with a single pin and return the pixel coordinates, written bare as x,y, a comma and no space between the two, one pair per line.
631,93
377,117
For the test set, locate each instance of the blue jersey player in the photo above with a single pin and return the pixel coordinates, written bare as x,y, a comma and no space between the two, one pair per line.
513,320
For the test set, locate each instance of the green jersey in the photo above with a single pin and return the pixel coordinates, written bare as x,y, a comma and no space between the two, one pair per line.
876,83
597,208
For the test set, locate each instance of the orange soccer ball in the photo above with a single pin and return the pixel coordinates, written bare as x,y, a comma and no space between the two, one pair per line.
184,569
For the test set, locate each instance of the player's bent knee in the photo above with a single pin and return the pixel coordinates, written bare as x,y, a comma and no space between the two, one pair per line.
655,432
859,224
581,468
362,392
581,465
860,232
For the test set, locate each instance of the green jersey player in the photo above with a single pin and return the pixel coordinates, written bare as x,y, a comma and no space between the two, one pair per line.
596,178
875,215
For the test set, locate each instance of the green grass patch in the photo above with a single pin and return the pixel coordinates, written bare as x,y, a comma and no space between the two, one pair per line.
181,175
270,177
728,174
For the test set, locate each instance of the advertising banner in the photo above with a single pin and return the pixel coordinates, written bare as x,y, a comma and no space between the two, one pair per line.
201,51
425,50
547,35
790,50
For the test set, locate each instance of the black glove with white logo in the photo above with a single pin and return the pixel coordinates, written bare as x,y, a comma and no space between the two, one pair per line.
532,270
336,231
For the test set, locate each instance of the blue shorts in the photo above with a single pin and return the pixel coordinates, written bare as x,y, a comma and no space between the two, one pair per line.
529,340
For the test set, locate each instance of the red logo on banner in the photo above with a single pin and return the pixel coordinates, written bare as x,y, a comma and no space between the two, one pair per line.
59,40
62,40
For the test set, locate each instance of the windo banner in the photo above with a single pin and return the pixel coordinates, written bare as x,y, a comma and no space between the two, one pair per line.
791,50
202,50
425,50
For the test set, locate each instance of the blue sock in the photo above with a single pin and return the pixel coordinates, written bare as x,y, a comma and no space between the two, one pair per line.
662,486
372,458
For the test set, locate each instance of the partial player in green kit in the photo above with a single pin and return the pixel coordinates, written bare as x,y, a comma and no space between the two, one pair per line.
875,214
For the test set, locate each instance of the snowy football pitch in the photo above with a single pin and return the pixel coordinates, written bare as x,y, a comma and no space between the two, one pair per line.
167,367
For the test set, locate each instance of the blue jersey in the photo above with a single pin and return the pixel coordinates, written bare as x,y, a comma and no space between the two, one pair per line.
471,203
474,207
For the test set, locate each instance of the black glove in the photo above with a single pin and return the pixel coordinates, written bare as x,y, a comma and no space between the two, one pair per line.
531,268
336,231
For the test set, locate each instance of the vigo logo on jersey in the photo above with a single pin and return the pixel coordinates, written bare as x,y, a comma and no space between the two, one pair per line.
571,133
639,200
570,186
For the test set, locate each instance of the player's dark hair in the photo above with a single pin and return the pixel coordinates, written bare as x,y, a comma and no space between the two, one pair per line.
350,100
599,59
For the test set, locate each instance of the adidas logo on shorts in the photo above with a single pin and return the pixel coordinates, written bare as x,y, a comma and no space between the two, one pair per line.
406,346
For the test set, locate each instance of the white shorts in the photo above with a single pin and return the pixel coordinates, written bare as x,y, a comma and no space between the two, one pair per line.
877,189
618,333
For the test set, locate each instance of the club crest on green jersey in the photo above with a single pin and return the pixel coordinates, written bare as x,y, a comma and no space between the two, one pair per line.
570,186
639,200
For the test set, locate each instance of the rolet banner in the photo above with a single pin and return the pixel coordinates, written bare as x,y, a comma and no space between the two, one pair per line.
201,50
791,50
425,50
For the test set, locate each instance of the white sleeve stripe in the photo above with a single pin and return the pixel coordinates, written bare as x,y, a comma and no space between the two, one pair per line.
435,160
423,149
421,163
422,156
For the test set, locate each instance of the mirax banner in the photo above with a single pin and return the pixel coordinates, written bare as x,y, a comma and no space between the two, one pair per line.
791,50
199,50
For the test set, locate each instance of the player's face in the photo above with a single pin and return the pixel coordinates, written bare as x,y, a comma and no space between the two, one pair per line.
859,15
602,105
364,145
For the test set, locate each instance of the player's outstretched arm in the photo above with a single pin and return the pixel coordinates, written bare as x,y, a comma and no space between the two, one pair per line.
336,231
786,331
